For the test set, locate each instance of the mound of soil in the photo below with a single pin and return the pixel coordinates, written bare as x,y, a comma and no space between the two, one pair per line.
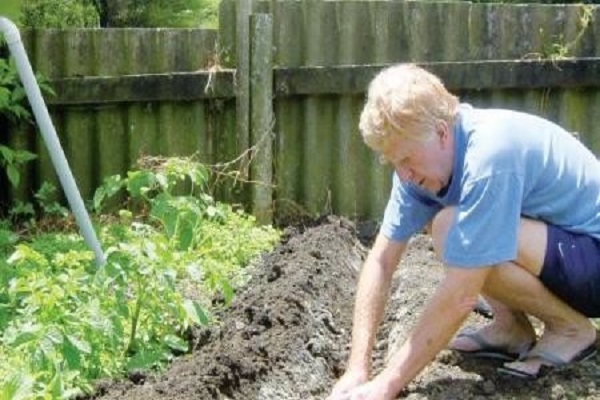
286,335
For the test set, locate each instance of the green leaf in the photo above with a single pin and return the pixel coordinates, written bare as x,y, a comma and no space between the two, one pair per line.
199,175
163,181
71,355
21,112
186,230
22,156
80,345
50,340
195,312
140,182
56,386
227,290
18,94
109,188
13,175
17,387
23,337
176,343
165,212
4,97
145,359
7,153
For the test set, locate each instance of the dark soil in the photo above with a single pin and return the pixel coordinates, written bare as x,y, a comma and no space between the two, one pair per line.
286,334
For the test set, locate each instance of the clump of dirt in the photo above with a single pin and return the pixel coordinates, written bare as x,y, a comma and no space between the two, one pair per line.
286,335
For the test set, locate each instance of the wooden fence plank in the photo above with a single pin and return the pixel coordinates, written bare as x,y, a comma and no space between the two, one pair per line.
261,116
289,157
390,42
355,38
79,127
143,131
112,140
45,43
469,75
288,34
242,78
184,86
345,79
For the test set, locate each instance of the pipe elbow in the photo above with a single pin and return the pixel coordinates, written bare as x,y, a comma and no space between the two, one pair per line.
10,30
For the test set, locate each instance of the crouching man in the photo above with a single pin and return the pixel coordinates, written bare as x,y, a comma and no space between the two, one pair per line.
514,204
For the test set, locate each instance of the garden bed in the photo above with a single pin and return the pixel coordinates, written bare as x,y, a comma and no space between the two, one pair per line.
286,335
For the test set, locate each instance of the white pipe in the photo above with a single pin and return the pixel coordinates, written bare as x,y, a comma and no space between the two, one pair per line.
57,155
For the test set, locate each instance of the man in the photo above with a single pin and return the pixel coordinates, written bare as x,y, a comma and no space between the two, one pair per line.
514,206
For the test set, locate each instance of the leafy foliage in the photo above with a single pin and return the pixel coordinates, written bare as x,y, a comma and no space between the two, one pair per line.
12,93
13,108
11,160
158,13
64,322
59,14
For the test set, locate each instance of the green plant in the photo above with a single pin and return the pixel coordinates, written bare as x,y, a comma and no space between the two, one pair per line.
11,160
46,197
158,13
64,322
559,48
13,108
12,93
47,205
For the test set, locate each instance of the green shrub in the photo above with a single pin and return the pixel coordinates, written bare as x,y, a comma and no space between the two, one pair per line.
59,14
64,322
14,109
158,13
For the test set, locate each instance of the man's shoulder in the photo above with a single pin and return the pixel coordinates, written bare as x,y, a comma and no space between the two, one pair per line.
502,121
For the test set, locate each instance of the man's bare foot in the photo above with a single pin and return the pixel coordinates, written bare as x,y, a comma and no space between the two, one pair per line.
556,348
495,339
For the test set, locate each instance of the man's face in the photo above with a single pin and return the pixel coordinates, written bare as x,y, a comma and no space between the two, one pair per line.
426,164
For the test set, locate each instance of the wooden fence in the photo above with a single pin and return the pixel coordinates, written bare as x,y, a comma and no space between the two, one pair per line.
295,72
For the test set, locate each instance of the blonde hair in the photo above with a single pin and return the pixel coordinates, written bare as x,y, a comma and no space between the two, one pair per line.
405,100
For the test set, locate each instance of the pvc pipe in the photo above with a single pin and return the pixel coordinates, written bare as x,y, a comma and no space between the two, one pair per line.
57,155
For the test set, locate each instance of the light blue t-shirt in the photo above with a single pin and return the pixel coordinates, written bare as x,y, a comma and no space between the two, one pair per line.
507,164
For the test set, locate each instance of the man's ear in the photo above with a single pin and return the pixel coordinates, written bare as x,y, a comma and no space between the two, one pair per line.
443,132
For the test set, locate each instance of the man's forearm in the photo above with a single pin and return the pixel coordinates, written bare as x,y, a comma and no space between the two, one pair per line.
443,315
371,297
432,333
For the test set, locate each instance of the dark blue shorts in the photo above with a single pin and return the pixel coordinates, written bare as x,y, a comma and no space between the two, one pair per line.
572,270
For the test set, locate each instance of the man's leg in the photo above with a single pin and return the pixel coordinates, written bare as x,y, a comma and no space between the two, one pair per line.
509,330
514,288
566,331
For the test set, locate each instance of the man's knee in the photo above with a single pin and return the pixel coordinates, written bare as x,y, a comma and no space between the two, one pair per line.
439,226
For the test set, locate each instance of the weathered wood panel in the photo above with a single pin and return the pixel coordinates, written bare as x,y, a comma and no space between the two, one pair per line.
106,120
136,92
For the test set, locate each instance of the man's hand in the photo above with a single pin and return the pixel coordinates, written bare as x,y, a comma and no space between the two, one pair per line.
347,383
377,389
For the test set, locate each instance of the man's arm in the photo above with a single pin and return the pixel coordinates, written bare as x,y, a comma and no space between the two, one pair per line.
371,296
445,312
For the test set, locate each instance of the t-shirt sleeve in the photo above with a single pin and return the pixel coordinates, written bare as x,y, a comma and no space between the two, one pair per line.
407,212
485,228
